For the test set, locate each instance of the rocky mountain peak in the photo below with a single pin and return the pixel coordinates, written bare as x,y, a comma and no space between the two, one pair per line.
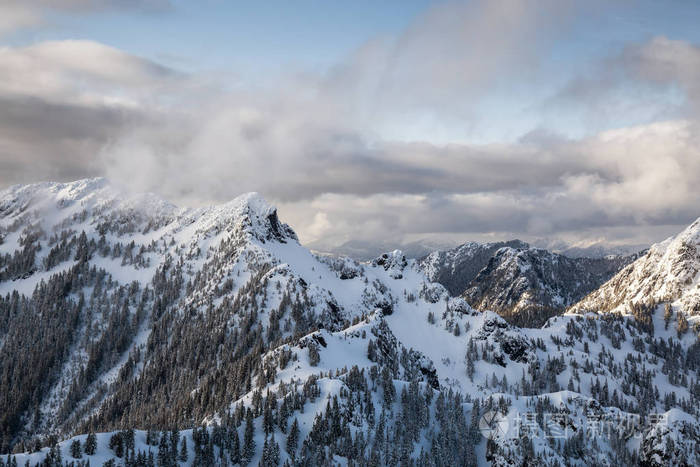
249,212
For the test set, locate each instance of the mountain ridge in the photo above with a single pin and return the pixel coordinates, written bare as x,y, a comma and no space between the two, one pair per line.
212,332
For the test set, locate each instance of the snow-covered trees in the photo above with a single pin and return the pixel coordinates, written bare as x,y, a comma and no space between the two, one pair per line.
270,453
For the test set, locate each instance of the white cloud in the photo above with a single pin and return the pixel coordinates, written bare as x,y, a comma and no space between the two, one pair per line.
80,72
75,108
16,15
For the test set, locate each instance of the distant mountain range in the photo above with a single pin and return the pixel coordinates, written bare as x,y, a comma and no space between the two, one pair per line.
598,249
366,250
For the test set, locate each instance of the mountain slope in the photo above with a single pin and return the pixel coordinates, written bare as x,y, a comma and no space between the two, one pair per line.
527,286
130,286
580,391
523,284
456,268
668,273
212,337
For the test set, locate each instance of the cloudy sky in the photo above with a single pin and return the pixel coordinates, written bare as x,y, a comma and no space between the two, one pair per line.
369,121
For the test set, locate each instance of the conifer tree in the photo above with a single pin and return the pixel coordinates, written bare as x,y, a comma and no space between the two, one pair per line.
90,444
314,357
271,453
234,446
293,438
75,451
183,450
163,449
248,439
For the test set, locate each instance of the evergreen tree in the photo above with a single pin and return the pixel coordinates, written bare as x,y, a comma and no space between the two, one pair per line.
174,442
75,450
314,356
388,386
116,444
152,437
90,444
293,438
54,455
183,450
470,366
163,449
234,446
248,439
271,453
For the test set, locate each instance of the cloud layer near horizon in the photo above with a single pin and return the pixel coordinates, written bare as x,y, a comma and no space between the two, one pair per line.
320,144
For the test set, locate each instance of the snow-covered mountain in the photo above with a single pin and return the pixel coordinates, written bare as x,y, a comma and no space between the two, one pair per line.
457,267
529,285
123,309
587,249
212,337
668,273
525,285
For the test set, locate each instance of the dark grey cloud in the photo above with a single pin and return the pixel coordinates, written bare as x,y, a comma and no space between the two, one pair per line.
61,102
44,140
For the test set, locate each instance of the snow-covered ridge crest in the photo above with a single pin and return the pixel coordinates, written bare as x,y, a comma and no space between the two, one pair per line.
90,192
100,198
249,210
